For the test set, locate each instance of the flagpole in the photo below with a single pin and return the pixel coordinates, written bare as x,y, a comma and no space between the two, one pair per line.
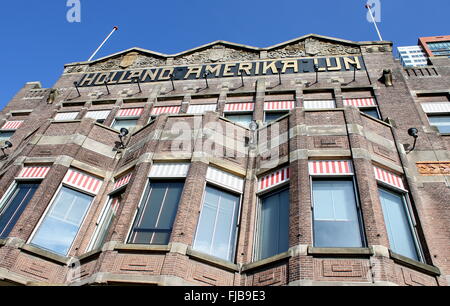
112,32
373,19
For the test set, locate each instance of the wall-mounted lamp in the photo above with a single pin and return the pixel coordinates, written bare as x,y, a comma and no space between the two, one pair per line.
4,147
76,87
136,80
413,132
123,132
253,126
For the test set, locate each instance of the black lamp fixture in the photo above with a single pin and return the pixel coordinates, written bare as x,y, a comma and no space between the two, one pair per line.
76,87
171,76
413,132
123,132
136,80
316,69
4,147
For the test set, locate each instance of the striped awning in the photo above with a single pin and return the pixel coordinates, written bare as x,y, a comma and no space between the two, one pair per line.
169,170
98,115
360,102
82,181
436,107
12,125
66,116
239,107
330,167
319,104
273,179
201,108
388,178
122,181
225,179
166,110
130,112
35,172
279,105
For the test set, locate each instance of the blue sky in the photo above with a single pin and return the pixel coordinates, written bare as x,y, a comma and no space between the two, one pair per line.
37,40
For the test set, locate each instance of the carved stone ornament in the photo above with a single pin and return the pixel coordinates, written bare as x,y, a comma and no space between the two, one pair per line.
217,53
75,69
313,47
132,60
434,168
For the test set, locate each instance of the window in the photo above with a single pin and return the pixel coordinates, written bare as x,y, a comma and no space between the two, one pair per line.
216,230
105,221
99,116
336,220
61,223
155,217
373,112
272,116
6,135
124,123
273,224
441,122
13,206
243,119
398,224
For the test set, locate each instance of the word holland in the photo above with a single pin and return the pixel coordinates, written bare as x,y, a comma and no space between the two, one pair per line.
344,63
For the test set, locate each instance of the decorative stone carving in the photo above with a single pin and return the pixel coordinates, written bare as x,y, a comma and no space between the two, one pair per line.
75,69
313,47
131,60
217,53
433,168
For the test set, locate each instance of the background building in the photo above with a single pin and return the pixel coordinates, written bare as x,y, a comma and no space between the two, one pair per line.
286,165
412,56
436,45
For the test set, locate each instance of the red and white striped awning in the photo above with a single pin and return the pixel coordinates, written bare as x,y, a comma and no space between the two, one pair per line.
66,116
201,108
166,110
169,170
130,112
330,167
82,181
436,107
239,107
279,105
273,179
12,125
388,178
225,179
319,104
360,102
36,172
122,181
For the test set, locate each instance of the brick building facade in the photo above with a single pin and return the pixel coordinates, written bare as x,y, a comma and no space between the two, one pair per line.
287,165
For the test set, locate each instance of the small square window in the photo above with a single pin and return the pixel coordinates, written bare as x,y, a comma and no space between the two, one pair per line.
441,122
243,119
272,116
124,123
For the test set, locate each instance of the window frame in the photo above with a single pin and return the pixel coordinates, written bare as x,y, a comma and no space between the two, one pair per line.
404,195
243,113
434,114
257,232
359,214
141,203
238,217
285,112
375,107
125,118
49,206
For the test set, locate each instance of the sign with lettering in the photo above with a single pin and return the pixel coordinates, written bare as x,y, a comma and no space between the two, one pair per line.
260,68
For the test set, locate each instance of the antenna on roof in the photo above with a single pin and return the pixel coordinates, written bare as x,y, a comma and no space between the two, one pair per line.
369,8
112,32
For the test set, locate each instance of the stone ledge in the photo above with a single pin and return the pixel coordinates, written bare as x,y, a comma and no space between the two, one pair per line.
142,248
330,283
416,265
45,254
340,251
156,280
90,254
215,261
266,261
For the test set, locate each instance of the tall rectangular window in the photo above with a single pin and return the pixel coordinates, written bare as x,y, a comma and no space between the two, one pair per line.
61,223
13,206
156,215
336,219
105,221
441,122
398,224
273,224
216,229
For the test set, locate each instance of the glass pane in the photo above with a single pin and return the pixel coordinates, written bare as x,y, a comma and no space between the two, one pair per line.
106,221
216,230
274,224
124,123
5,135
441,122
14,206
336,222
59,227
155,219
242,119
371,112
272,116
398,224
